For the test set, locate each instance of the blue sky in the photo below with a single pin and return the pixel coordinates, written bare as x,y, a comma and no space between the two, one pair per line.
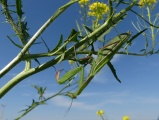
137,95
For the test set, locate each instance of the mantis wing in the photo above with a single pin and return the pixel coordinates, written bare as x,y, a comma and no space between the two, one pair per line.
69,75
108,51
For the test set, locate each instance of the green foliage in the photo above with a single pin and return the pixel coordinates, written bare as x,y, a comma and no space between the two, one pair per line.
77,47
19,8
41,91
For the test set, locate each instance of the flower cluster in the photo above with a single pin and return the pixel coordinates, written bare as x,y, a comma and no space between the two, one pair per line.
83,2
98,9
100,112
126,118
142,3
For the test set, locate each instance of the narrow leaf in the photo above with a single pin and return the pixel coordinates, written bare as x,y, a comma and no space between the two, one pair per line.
115,22
19,46
88,29
59,44
45,45
36,60
113,71
36,87
135,36
119,1
73,36
79,29
19,8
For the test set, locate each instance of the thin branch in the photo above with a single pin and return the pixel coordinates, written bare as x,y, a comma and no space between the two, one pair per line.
40,55
33,56
134,54
144,19
35,104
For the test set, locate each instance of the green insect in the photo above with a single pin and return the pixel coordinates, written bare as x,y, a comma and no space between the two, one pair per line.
104,56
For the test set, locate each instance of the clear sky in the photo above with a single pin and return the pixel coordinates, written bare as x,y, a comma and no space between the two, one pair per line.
137,96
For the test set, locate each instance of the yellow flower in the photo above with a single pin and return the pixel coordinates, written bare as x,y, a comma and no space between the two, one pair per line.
83,2
126,118
142,3
71,61
98,9
100,112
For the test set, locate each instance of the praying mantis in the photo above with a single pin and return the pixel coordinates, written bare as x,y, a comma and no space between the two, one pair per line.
105,54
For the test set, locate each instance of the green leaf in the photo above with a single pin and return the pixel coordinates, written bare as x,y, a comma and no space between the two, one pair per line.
45,45
119,1
19,46
79,29
36,60
41,91
88,29
24,30
115,22
19,8
59,44
113,71
36,87
135,36
73,36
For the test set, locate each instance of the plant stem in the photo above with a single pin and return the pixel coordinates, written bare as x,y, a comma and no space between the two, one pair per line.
17,59
92,36
152,28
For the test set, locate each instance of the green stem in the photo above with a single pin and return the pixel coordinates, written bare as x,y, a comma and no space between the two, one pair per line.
102,117
17,59
144,19
152,28
110,8
44,66
33,56
95,34
34,105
